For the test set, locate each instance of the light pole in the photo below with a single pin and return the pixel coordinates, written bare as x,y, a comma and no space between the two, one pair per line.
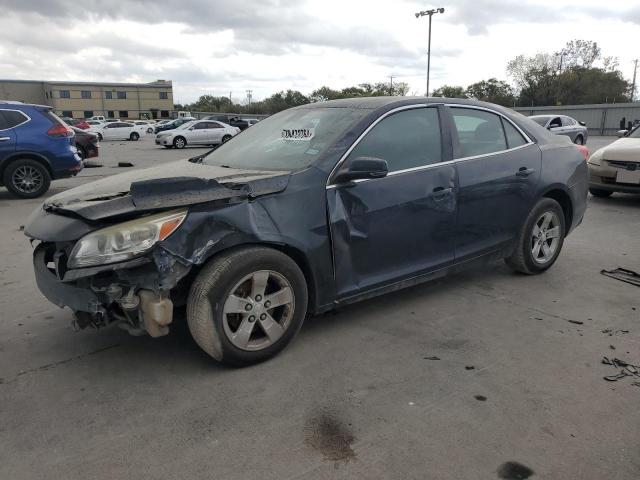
422,14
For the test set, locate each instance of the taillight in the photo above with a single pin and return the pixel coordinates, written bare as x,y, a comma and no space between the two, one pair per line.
59,130
584,151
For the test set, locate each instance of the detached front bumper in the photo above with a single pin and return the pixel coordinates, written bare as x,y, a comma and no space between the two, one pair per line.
135,294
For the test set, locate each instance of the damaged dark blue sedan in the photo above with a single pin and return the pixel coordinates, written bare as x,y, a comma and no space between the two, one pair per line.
312,208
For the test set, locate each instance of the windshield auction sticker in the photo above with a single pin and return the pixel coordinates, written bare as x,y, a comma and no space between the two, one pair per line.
299,134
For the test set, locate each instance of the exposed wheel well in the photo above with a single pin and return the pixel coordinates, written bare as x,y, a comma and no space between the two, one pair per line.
564,200
293,253
20,156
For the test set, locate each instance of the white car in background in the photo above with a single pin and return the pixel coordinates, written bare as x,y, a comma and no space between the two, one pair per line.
95,126
121,131
145,126
197,132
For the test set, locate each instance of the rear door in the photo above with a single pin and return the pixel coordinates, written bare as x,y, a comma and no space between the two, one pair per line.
498,170
393,228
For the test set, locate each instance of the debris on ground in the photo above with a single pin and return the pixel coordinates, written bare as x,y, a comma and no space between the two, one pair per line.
469,367
21,228
432,358
125,164
577,322
611,332
624,275
626,369
91,164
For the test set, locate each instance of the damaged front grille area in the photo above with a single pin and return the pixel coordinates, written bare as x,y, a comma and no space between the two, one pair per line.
134,295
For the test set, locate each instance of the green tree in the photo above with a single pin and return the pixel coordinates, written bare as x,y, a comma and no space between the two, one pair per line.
493,91
449,91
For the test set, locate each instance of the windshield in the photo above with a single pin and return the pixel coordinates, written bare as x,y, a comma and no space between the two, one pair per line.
635,133
186,125
289,140
542,121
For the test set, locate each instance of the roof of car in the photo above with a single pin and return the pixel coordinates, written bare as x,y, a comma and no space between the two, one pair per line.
373,103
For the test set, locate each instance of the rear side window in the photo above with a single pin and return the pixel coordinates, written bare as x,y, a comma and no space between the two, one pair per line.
514,137
11,119
479,132
567,121
406,139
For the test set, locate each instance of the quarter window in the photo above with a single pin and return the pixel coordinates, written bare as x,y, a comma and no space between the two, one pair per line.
479,132
406,139
514,137
10,119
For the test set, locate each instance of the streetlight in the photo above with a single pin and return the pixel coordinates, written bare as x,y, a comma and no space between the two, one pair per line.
422,14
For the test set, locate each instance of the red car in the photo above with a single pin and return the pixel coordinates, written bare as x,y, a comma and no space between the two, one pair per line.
72,122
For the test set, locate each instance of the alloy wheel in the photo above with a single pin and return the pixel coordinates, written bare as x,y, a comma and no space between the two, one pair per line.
545,237
27,179
258,310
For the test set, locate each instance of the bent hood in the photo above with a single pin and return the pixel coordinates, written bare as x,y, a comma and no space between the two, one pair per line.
625,149
168,185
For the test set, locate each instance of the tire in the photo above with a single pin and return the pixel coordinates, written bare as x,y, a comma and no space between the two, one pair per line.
134,136
179,142
596,192
149,130
81,153
579,140
226,138
26,178
210,294
99,135
522,259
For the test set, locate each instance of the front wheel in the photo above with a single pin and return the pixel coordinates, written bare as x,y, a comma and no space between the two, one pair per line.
226,138
179,142
134,136
596,192
246,306
579,140
26,178
540,239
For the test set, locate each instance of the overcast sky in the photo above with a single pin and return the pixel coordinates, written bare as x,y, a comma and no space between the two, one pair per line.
214,46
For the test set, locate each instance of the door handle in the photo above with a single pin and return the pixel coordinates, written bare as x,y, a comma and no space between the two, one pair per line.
439,193
524,172
4,139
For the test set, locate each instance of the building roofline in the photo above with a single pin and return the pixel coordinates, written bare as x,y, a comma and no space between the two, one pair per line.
164,83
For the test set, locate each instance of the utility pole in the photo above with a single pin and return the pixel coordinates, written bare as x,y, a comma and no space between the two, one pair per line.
635,70
249,92
430,13
230,102
391,87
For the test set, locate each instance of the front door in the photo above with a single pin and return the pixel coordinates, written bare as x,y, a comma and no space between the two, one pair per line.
393,228
498,171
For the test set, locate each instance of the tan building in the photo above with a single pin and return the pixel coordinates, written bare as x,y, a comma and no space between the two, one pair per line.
86,99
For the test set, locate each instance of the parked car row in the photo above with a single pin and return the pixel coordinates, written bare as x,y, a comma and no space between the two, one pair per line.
563,125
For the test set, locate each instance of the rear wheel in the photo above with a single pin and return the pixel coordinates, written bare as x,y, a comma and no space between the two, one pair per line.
226,138
99,136
81,152
579,140
26,178
179,142
596,192
540,240
134,136
246,306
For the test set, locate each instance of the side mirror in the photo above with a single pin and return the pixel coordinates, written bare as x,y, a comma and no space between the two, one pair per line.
362,168
622,133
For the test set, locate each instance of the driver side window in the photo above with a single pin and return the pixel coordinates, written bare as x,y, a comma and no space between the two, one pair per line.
406,139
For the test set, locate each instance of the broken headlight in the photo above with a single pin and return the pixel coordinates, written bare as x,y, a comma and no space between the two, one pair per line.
124,240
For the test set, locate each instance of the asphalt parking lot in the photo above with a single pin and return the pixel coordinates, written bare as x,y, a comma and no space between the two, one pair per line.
486,374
